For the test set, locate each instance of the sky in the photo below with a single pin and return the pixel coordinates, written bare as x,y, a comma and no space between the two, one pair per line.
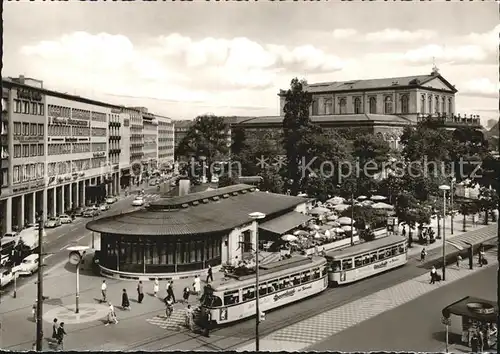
183,59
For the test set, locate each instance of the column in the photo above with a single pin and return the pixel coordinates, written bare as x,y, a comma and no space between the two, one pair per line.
45,207
70,205
8,214
54,201
117,183
84,200
33,208
20,212
63,201
77,195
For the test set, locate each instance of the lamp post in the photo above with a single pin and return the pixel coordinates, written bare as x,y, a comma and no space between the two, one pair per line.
352,218
451,203
257,216
444,188
39,307
76,257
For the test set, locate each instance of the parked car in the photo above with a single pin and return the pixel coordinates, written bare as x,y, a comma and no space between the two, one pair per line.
104,207
52,222
90,212
28,266
138,201
65,219
6,276
111,199
79,211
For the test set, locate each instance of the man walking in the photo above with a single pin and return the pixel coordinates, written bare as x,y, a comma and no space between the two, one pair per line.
104,287
207,322
140,292
60,336
210,276
170,291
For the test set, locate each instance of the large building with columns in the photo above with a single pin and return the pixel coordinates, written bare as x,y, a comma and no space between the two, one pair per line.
59,151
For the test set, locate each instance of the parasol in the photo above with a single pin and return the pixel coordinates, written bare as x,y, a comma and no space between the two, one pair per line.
362,197
301,233
319,211
289,238
341,207
382,206
378,197
344,220
333,223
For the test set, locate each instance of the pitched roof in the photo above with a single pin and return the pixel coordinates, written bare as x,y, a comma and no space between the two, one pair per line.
371,84
218,215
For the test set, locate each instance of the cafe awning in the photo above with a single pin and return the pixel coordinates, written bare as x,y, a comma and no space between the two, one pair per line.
285,223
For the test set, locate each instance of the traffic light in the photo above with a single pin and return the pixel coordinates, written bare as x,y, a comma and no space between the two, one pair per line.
262,316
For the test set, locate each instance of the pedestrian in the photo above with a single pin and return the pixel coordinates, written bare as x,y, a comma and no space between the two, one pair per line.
423,254
186,293
189,318
403,232
55,327
125,300
482,259
140,292
156,287
474,343
60,336
433,275
196,285
167,286
111,314
207,323
459,260
104,287
170,291
169,309
481,341
210,276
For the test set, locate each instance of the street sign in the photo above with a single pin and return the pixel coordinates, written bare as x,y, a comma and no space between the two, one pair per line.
446,321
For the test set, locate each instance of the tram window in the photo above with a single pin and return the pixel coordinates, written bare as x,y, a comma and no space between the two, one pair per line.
281,283
287,283
324,271
366,259
231,297
401,248
296,279
263,290
273,287
357,262
381,255
388,253
373,257
306,276
394,250
316,274
347,264
336,266
248,293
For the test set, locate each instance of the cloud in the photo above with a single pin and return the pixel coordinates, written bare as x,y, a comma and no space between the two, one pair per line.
343,33
482,87
395,35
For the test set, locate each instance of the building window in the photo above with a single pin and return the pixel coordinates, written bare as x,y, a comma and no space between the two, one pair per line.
26,150
342,106
443,105
18,106
16,178
33,150
40,129
437,104
388,105
314,108
422,104
404,104
17,151
357,106
26,129
5,178
450,106
26,107
328,106
373,105
430,104
40,150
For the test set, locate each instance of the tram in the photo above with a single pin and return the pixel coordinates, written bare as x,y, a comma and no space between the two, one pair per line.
366,259
280,283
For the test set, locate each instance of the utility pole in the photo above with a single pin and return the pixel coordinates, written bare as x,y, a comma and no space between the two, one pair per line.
39,308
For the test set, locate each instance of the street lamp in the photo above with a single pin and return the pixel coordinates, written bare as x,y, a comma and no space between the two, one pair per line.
257,216
453,180
352,217
444,188
76,257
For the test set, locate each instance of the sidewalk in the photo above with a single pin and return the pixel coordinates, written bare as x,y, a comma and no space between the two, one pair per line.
457,231
85,329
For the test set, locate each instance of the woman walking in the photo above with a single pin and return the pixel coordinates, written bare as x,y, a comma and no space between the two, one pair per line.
111,315
125,300
55,327
156,287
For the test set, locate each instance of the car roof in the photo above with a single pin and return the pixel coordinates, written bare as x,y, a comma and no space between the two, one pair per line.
31,257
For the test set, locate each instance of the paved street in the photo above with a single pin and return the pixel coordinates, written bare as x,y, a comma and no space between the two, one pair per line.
415,326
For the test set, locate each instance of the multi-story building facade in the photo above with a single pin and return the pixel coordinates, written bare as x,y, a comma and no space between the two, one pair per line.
181,127
60,151
150,133
136,142
165,142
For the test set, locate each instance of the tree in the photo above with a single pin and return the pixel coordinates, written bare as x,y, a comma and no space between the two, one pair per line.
407,212
488,201
207,138
226,180
373,148
272,181
465,209
296,109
